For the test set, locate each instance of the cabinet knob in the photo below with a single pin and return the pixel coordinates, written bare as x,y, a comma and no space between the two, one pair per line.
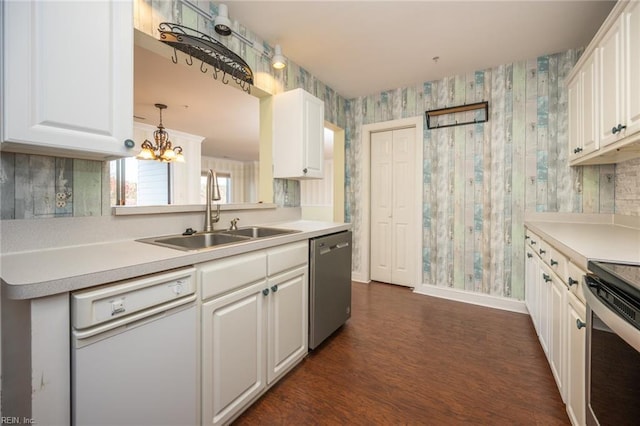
526,237
274,288
533,243
580,324
577,150
542,251
572,281
129,143
529,255
618,129
553,262
304,170
265,292
546,278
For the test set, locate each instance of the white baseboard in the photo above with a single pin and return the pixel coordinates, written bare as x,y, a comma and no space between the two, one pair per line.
355,276
489,301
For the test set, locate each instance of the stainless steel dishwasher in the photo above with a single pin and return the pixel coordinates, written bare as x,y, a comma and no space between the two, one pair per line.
134,352
329,285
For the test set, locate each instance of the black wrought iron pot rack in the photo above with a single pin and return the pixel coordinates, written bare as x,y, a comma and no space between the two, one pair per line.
209,51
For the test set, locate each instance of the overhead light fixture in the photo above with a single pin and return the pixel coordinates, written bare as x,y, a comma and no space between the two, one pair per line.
222,24
162,150
278,61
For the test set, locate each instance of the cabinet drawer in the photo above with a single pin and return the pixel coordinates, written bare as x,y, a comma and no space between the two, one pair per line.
288,256
542,248
574,280
533,240
221,276
558,263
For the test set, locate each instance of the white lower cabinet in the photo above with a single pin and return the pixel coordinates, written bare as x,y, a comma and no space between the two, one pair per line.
544,308
288,321
254,326
233,352
575,367
531,288
555,302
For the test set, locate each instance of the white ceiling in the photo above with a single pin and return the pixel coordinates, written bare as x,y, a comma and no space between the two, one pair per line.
359,48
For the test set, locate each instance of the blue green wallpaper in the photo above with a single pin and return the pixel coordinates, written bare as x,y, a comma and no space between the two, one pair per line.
480,179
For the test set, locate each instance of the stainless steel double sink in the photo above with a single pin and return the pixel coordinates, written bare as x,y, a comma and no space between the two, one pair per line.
207,240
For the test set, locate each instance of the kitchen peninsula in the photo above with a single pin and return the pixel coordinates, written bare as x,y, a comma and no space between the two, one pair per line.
40,388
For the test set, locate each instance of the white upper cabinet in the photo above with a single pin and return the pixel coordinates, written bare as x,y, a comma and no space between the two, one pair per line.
632,69
611,85
68,78
582,90
612,63
298,135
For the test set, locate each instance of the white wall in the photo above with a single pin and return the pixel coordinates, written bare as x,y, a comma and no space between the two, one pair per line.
244,177
316,195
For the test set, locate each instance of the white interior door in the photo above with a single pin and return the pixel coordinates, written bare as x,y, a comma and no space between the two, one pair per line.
392,189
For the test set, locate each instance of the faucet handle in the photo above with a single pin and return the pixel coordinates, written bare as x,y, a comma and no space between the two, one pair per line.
234,224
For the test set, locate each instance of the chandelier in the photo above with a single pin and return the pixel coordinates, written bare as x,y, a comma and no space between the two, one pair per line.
162,149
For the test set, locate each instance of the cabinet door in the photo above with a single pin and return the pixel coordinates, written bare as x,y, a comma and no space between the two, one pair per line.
611,84
632,68
583,137
68,78
557,292
574,94
313,136
575,369
544,303
298,135
589,121
233,352
287,323
530,283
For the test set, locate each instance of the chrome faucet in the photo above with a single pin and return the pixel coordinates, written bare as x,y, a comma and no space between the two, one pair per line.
213,193
234,224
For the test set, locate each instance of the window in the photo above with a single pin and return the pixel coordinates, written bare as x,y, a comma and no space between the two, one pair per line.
139,182
224,183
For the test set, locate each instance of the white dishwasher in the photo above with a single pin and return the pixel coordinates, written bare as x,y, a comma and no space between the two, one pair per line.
134,352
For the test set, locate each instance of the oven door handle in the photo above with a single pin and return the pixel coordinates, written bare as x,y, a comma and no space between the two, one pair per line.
617,324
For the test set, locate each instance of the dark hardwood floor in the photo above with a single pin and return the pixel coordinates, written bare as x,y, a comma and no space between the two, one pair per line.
405,358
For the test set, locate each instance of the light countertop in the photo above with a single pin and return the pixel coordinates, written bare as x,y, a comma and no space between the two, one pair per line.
589,240
39,273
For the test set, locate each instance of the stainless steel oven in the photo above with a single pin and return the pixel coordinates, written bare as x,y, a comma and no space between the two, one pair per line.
612,293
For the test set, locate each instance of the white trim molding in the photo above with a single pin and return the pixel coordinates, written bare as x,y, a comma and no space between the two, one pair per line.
473,298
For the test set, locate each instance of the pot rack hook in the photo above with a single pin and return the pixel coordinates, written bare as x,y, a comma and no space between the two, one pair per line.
203,69
174,58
